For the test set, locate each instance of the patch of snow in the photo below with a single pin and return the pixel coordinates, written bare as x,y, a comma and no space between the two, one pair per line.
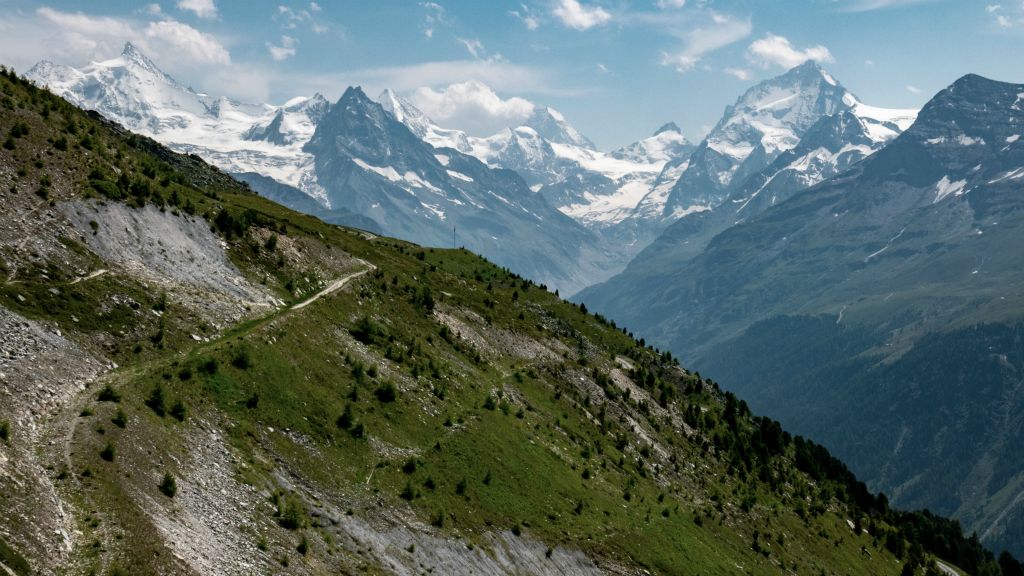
434,209
965,140
442,159
945,187
613,168
459,176
679,212
1010,175
886,247
1012,139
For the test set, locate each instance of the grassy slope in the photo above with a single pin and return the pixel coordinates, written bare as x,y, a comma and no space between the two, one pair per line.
545,444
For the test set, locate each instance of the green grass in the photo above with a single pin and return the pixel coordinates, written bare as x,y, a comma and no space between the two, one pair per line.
11,559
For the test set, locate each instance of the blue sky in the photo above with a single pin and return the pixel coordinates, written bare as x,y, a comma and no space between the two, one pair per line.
617,69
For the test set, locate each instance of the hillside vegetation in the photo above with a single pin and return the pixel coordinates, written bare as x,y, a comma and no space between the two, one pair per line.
194,380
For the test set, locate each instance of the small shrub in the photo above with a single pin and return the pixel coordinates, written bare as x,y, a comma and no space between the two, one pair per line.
157,402
291,512
408,493
410,466
358,431
179,411
120,419
242,359
108,394
168,487
108,452
303,547
5,430
346,420
386,392
209,366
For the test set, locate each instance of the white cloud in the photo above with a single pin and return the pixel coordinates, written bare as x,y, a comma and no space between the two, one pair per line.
152,9
435,16
666,4
184,40
719,31
575,15
201,8
602,68
869,62
778,51
292,18
79,23
528,18
739,73
498,74
870,5
471,106
1008,17
473,46
285,50
80,37
914,89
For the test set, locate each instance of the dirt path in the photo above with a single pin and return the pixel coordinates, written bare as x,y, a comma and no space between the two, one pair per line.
89,276
334,286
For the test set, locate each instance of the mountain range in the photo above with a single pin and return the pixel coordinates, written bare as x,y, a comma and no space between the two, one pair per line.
196,380
877,310
808,240
620,200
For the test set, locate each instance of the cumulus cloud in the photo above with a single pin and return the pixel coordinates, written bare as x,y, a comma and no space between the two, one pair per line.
580,17
719,31
778,51
201,8
471,106
184,40
283,51
675,4
84,37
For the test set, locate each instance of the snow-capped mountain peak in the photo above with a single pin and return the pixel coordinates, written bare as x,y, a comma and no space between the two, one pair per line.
765,122
666,144
668,127
553,127
238,137
421,125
